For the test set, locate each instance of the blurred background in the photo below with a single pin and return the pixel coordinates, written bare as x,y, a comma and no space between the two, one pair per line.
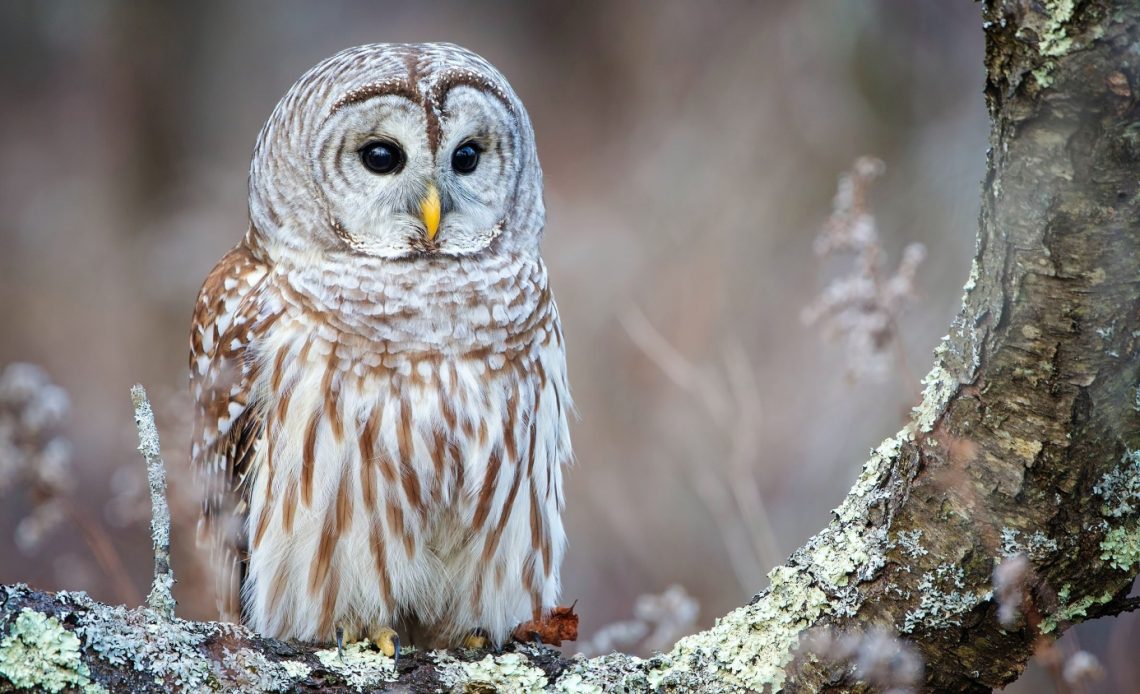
691,156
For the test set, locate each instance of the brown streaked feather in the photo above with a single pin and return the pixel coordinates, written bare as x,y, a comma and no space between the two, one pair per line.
328,603
380,555
330,386
483,506
368,463
309,458
408,477
492,542
227,427
289,506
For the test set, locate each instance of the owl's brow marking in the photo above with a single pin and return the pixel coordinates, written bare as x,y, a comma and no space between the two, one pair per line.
448,81
389,87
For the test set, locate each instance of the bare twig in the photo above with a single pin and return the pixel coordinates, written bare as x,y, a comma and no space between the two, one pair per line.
160,599
104,552
732,404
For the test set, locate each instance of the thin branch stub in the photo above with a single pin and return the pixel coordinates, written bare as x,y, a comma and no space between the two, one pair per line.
160,599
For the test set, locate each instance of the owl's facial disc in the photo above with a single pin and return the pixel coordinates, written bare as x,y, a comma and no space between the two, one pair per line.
399,186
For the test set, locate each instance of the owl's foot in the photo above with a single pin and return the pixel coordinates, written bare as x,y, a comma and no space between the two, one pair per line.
387,640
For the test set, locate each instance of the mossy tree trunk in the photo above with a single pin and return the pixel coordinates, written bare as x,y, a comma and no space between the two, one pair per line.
1027,443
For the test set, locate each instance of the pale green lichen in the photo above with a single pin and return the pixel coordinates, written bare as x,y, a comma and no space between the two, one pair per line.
295,670
40,654
511,673
1044,74
868,487
1053,39
748,648
360,666
938,387
576,683
839,560
945,599
608,673
956,361
1120,490
1121,547
1070,612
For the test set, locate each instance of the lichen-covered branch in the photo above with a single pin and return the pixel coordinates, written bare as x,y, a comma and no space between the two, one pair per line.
1026,444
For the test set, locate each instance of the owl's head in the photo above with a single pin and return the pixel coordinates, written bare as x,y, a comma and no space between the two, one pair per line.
398,151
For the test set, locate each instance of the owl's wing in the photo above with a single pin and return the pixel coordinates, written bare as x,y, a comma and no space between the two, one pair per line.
227,421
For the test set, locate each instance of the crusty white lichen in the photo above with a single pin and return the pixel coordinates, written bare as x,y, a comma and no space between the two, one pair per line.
170,651
256,673
1120,487
167,650
1036,546
508,672
944,599
361,666
609,673
910,542
956,360
748,648
40,654
938,387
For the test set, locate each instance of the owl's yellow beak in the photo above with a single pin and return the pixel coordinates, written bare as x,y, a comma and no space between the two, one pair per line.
429,211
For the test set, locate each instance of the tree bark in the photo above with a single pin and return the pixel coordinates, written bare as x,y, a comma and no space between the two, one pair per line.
1027,442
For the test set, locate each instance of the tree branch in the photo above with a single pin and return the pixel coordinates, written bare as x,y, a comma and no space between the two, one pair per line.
1026,443
160,598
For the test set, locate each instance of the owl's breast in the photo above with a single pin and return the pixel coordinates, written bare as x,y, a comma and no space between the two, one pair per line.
385,458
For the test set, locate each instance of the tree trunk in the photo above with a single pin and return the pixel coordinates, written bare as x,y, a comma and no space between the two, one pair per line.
1027,443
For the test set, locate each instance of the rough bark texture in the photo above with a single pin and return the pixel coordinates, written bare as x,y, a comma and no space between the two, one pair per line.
1027,442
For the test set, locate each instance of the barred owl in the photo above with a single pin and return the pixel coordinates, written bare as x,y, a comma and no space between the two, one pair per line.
378,365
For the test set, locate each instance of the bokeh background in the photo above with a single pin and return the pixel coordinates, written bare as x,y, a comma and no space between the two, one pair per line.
691,152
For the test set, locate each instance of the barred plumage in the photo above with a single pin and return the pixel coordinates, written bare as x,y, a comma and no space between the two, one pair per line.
383,408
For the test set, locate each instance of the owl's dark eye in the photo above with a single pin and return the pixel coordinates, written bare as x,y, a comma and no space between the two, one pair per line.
382,157
465,158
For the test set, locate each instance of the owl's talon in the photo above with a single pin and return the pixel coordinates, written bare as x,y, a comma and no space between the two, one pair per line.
387,640
340,643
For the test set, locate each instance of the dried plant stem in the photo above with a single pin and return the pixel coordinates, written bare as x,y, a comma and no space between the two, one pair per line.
160,599
105,553
734,499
